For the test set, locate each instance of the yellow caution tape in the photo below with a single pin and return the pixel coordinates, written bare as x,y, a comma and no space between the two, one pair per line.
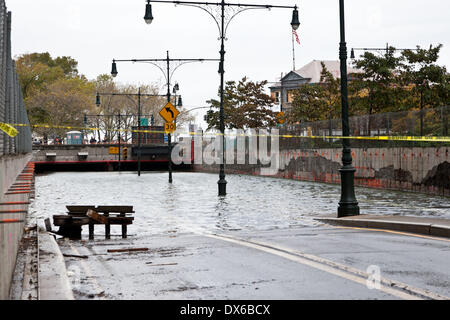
378,138
9,129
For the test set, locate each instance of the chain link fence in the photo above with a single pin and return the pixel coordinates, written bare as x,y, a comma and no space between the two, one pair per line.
12,107
428,122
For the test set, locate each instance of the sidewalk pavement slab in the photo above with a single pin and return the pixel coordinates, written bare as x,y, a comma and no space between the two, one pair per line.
439,227
54,283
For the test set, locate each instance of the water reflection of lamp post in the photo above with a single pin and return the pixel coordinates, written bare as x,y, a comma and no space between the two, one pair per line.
222,18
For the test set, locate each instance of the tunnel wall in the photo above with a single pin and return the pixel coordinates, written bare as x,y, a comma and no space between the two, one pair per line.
425,170
15,154
11,232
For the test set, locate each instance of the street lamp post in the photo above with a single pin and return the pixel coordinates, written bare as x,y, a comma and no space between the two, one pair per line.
222,24
178,102
348,206
119,137
168,73
139,94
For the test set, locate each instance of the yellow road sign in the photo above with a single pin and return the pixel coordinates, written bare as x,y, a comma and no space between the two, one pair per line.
8,129
280,117
169,127
169,112
113,150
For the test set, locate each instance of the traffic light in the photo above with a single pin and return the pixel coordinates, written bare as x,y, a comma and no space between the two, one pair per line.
125,153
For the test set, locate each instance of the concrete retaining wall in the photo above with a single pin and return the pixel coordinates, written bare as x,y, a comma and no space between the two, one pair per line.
70,153
10,167
425,170
10,233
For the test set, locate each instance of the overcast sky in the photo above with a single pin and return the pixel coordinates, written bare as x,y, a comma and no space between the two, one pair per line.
259,42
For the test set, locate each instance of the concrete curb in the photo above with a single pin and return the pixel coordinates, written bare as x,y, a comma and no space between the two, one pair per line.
54,284
424,228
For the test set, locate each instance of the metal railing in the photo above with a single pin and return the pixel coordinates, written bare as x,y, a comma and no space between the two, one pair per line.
433,122
12,107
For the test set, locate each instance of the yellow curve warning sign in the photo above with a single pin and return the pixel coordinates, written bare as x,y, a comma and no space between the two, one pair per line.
8,129
169,112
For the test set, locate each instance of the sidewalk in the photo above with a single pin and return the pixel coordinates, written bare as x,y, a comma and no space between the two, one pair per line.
438,227
54,284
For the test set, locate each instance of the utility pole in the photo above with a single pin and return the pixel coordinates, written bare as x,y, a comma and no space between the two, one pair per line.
165,66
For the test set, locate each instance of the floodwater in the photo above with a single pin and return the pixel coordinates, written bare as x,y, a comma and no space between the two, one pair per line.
191,202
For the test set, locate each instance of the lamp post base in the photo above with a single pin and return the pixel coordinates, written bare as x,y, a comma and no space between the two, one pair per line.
348,210
222,183
348,206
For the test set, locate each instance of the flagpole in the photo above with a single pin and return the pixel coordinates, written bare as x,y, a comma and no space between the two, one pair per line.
293,51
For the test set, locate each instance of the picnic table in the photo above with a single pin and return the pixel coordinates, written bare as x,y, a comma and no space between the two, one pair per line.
79,215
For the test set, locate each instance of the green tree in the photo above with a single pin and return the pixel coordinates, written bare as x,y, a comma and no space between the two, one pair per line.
376,84
314,102
332,93
309,104
54,93
63,103
376,89
37,70
245,106
429,80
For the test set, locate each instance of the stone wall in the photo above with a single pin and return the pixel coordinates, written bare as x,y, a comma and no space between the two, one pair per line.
425,170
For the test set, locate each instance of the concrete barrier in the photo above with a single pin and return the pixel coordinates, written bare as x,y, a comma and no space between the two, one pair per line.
425,170
11,232
437,227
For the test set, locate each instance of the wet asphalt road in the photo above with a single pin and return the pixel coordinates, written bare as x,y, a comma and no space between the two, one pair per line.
196,266
257,243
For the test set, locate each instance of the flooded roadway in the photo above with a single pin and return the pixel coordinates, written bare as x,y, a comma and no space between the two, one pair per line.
259,242
252,203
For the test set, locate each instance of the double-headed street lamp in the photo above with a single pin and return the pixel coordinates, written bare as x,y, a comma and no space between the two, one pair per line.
223,18
139,95
168,70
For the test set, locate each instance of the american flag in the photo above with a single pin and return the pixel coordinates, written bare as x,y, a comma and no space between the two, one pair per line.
296,36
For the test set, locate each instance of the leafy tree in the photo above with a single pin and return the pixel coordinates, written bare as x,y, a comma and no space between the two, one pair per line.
54,93
314,102
308,104
377,80
245,106
376,89
37,70
332,94
63,103
430,81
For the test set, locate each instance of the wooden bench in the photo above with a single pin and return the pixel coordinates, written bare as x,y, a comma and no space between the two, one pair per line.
71,224
122,211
